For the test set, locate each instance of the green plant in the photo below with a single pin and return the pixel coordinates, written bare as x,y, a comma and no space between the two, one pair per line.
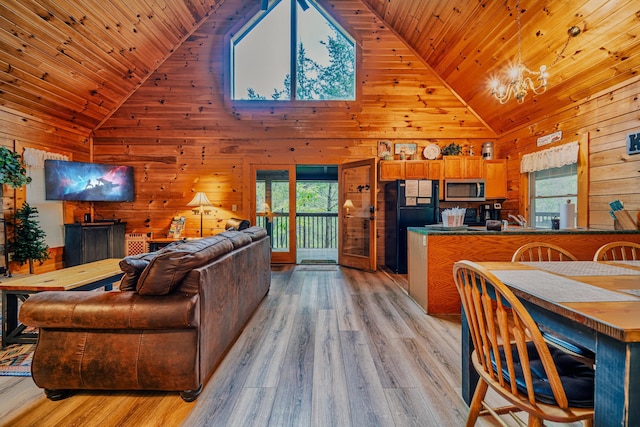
11,170
28,244
452,149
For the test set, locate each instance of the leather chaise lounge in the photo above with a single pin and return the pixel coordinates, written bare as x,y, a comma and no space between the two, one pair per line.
176,314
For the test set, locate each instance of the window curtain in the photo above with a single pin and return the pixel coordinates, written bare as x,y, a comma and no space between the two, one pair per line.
50,212
554,157
35,158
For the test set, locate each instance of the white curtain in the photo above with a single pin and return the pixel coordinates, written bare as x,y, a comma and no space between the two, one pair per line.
554,157
50,212
35,158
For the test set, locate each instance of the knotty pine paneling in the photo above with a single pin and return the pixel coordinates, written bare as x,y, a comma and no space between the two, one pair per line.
613,174
181,113
20,131
483,41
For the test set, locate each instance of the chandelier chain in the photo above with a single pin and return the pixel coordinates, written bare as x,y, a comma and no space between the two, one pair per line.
519,32
520,79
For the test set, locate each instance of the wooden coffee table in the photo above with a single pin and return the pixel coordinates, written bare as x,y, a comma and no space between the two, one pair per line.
84,277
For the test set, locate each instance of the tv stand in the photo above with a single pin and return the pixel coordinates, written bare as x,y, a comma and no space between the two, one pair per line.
93,241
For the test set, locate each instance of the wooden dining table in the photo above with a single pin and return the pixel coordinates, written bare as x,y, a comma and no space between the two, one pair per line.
596,304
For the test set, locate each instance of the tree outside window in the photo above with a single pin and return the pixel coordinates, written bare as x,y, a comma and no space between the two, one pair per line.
264,59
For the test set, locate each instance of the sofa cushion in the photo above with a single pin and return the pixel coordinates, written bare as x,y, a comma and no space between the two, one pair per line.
171,264
256,232
238,238
133,266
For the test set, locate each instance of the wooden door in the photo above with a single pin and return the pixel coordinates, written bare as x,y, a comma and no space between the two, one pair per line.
357,201
273,200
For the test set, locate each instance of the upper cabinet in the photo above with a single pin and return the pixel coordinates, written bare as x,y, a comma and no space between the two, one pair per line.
390,170
495,175
494,172
463,167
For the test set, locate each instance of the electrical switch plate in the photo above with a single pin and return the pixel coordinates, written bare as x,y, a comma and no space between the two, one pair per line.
424,240
234,208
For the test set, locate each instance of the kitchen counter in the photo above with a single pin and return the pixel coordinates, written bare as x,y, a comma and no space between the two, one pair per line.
432,253
519,230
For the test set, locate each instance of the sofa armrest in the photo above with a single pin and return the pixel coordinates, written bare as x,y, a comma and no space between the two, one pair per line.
109,310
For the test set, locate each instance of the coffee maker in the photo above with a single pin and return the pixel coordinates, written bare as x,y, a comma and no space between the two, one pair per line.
490,211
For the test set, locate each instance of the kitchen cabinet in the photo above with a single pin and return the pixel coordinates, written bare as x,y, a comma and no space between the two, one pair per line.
463,167
85,243
416,169
495,175
390,170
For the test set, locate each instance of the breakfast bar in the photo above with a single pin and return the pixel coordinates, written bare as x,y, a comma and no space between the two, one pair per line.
432,253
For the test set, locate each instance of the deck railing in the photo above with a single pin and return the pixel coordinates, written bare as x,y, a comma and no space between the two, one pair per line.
543,219
313,230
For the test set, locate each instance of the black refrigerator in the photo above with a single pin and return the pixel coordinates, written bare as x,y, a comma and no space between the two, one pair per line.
408,203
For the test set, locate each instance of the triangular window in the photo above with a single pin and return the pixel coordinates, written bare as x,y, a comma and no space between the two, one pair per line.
292,38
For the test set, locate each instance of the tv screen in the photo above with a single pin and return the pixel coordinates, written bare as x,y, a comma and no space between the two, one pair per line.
88,182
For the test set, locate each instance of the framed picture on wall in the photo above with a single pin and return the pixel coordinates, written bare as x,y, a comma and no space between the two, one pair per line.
408,149
384,148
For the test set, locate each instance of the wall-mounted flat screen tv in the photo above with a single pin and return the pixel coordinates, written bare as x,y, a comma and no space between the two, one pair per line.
88,182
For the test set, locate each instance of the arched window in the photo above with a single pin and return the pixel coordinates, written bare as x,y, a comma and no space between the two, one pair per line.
293,50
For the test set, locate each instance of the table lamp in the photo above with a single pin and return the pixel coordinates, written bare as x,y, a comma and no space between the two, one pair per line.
348,204
201,201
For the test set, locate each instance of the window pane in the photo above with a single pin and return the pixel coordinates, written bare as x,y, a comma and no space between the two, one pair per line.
550,188
326,58
261,57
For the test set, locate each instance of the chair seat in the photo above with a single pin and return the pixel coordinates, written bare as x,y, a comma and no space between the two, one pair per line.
564,343
577,378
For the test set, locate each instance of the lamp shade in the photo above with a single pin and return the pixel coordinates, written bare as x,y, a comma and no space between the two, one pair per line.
200,199
348,204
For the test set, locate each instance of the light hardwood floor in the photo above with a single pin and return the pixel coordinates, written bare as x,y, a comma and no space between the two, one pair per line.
329,346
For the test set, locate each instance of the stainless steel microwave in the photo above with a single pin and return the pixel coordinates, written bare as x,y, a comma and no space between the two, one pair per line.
464,190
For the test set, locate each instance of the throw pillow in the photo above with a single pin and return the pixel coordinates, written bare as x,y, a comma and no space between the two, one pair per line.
256,232
238,238
170,265
133,266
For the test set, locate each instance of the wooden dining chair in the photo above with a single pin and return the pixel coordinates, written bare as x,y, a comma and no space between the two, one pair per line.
513,359
618,251
541,251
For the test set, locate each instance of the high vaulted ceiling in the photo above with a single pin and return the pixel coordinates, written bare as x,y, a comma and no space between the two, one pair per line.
76,61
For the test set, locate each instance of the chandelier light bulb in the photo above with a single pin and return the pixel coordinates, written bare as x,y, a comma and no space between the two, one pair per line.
518,79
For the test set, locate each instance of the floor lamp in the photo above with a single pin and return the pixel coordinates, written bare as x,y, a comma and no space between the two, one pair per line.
201,201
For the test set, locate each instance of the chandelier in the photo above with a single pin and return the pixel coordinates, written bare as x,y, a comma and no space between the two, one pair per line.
521,79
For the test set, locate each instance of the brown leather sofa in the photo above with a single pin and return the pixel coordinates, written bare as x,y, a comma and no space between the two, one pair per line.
176,314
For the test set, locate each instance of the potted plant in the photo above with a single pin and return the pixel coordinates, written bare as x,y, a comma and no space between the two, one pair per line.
452,149
12,172
28,244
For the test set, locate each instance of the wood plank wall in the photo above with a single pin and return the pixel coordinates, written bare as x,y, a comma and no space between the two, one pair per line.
18,131
182,136
606,120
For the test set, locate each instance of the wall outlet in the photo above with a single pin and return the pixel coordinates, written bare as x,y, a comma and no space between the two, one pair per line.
234,208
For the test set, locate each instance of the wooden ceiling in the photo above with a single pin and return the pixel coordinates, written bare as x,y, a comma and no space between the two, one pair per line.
74,62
